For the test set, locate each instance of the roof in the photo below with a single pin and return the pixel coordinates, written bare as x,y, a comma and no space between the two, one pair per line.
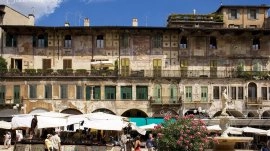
3,6
242,6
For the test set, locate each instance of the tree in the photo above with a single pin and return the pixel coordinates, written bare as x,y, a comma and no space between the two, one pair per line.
183,134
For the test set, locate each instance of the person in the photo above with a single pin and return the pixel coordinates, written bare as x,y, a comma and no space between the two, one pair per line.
137,146
7,140
264,147
33,126
19,136
150,142
56,142
48,143
123,141
224,100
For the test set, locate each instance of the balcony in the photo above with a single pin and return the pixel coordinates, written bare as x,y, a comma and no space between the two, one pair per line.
165,100
177,74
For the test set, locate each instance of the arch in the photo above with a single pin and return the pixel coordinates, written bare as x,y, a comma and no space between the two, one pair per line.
164,112
39,110
266,114
200,115
104,110
71,111
253,114
134,113
234,113
252,91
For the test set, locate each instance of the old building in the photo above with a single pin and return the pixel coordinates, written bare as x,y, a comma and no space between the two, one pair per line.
142,71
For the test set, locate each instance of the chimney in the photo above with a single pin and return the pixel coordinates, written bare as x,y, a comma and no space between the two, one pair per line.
86,22
66,24
135,22
31,19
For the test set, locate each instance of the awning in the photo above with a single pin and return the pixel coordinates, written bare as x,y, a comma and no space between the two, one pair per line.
140,121
6,114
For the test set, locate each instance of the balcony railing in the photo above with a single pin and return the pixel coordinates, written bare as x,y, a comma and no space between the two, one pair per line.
136,73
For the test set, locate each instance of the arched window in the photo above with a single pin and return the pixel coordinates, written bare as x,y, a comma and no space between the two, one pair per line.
173,93
158,93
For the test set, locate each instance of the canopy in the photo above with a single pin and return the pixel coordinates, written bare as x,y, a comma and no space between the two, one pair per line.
254,130
5,125
231,130
21,120
149,126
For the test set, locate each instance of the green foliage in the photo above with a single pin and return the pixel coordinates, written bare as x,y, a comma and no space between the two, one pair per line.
183,134
81,72
3,64
30,71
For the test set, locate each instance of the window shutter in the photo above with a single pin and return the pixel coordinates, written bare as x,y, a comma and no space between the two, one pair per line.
238,14
46,40
34,41
88,93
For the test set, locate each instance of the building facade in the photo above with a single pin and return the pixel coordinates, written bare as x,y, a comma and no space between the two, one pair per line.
142,71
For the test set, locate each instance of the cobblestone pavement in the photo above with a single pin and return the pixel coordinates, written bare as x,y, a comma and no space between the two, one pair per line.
4,149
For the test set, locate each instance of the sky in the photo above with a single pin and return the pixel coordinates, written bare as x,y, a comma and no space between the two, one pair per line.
152,13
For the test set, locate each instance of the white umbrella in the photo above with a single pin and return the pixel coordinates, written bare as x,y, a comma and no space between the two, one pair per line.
213,128
254,130
5,125
104,124
21,120
148,126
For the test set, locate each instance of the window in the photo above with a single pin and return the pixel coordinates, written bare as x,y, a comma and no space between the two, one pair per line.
183,43
40,41
17,93
124,43
188,93
264,93
67,43
33,91
48,91
2,93
96,92
213,43
204,93
67,64
233,14
110,92
63,91
141,92
252,14
11,40
256,65
100,41
233,93
216,92
240,93
79,92
157,41
46,64
173,93
126,92
256,44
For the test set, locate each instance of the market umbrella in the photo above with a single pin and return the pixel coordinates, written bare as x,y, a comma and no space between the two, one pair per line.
5,125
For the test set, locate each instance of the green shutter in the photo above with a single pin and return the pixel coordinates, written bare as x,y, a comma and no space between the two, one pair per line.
48,91
78,92
88,93
110,92
45,40
126,92
96,92
16,94
2,94
33,91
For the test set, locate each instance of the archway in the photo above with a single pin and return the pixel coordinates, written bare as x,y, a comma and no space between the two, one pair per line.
231,112
266,114
134,113
104,110
71,111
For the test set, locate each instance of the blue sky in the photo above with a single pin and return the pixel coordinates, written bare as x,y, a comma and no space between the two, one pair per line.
116,12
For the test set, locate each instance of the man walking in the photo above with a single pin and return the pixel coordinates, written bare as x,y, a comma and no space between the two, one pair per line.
150,143
56,142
